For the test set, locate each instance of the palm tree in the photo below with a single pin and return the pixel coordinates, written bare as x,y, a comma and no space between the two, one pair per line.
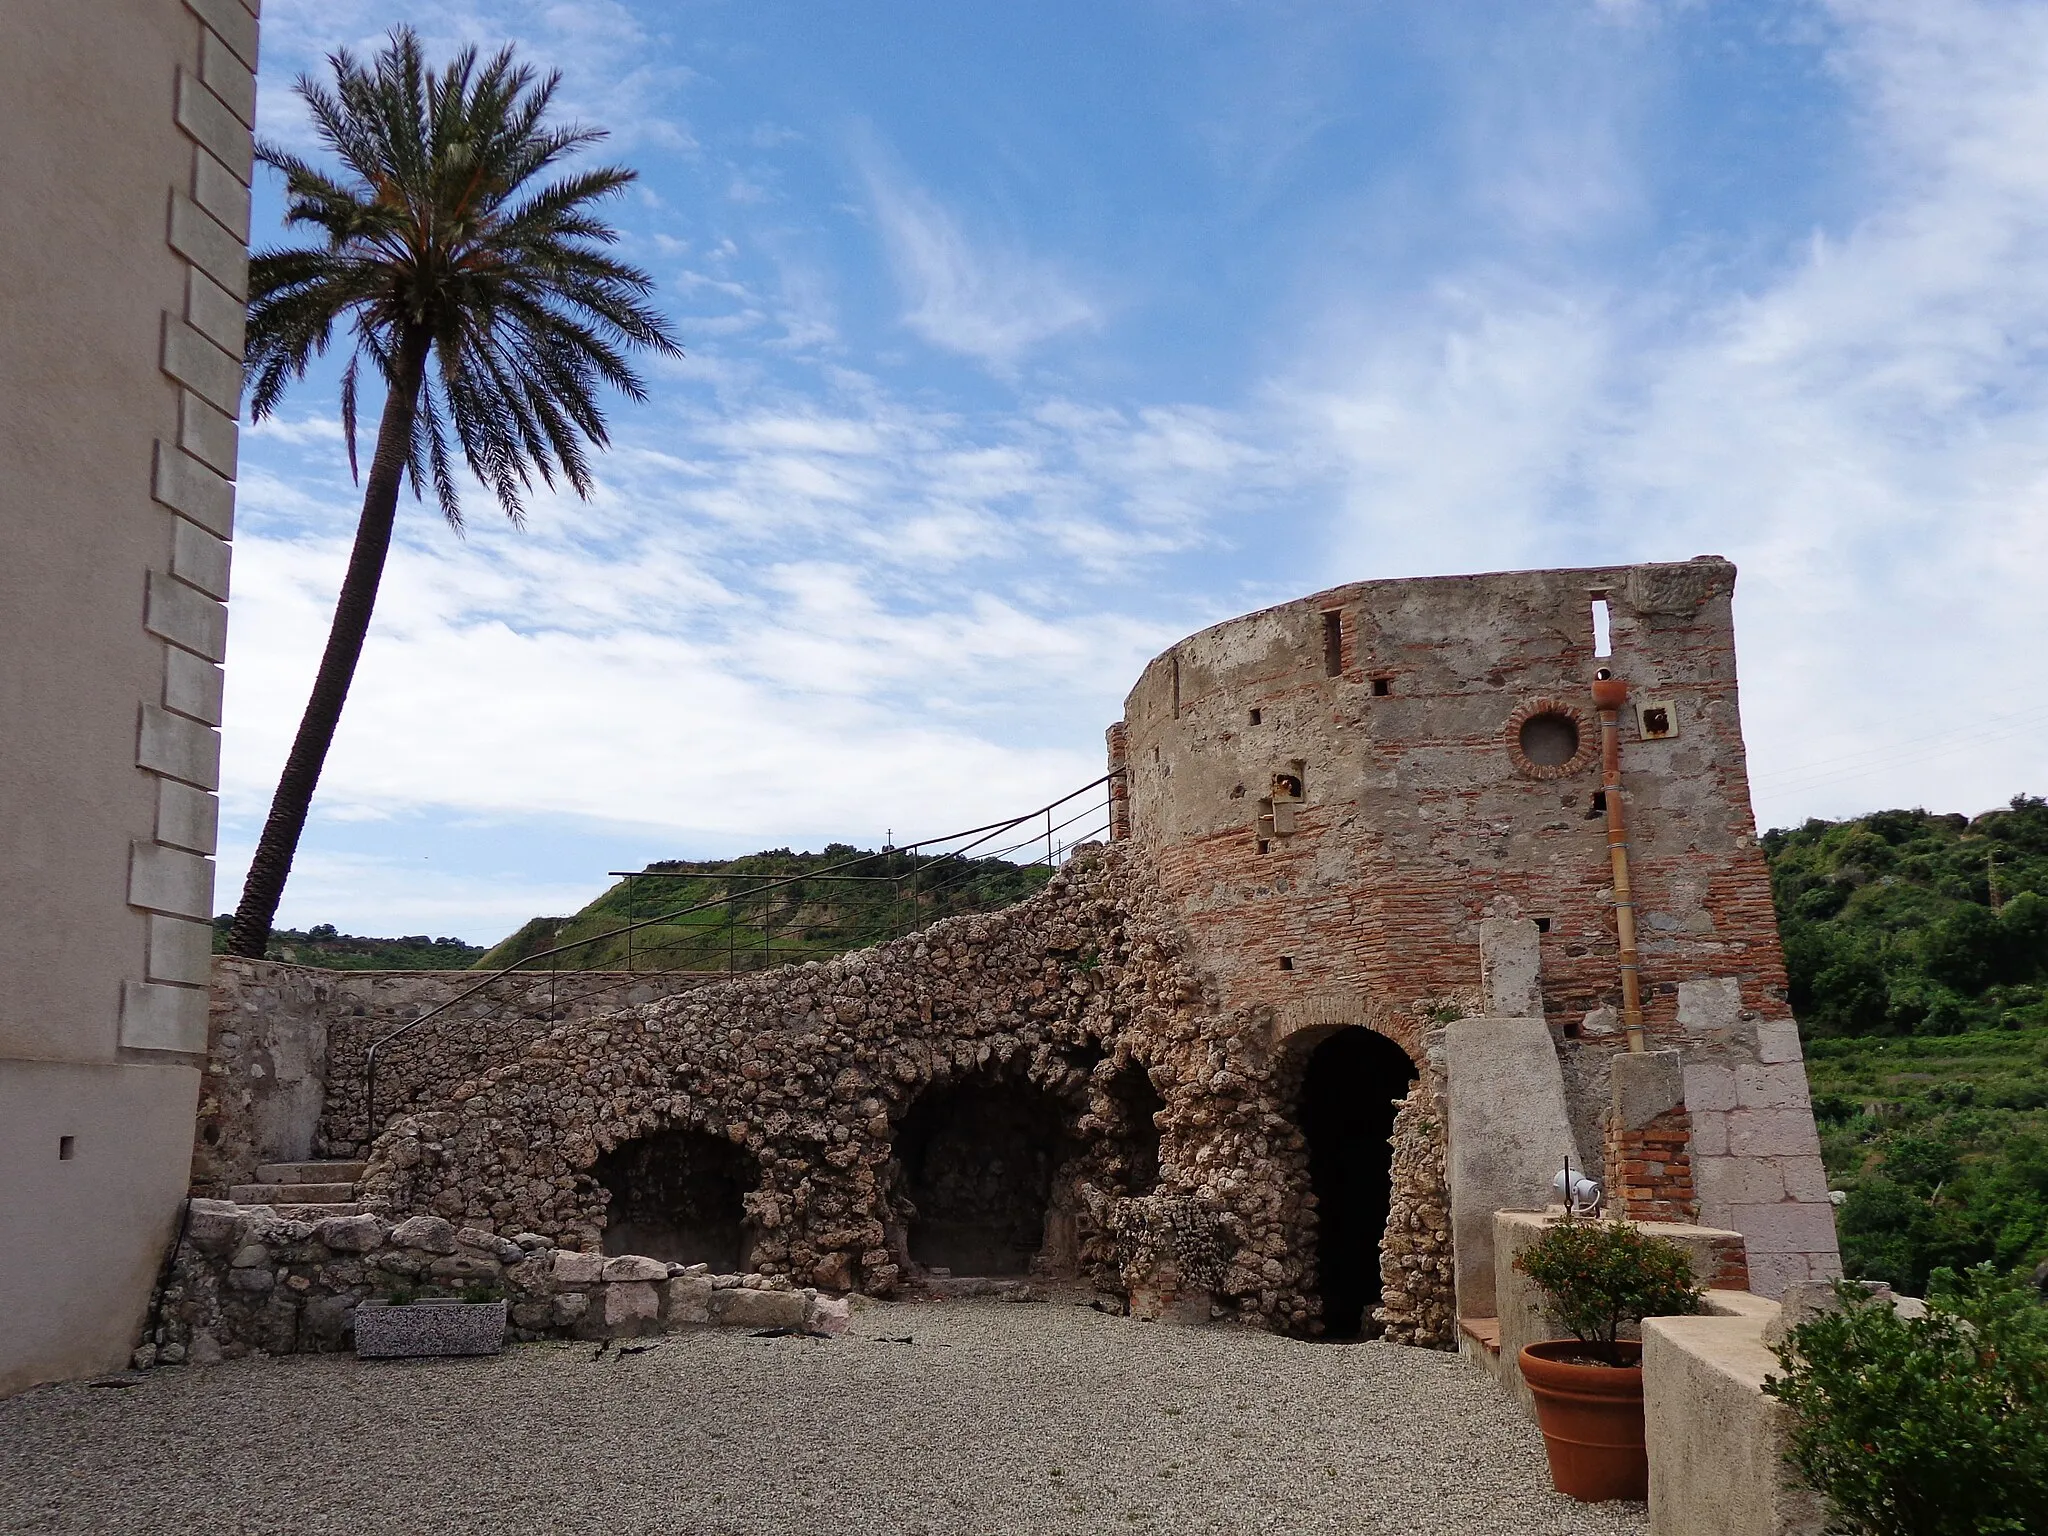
483,301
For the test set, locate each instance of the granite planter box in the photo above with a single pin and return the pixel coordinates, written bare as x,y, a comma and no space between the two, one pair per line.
435,1327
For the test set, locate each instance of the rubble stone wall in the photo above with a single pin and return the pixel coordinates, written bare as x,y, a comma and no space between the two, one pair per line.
812,1069
243,1278
1336,793
286,1047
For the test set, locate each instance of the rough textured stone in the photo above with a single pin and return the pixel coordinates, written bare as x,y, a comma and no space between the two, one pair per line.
634,1267
758,1309
429,1234
350,1234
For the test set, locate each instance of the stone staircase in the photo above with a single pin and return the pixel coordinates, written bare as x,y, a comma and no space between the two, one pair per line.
303,1191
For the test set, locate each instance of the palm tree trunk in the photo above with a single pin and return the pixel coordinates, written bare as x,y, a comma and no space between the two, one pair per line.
272,863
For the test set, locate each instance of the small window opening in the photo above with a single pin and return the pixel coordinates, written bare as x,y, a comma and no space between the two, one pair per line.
1603,633
67,1147
1287,962
1257,716
1543,925
1176,685
1382,686
1264,846
1333,644
1599,806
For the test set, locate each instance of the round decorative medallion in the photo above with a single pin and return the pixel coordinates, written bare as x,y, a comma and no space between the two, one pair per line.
1549,739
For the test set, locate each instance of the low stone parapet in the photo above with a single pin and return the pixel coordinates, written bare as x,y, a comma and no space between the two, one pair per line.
244,1279
1718,1265
1716,1442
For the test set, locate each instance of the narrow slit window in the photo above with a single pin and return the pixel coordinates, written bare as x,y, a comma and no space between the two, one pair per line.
67,1148
1603,630
1176,685
1333,644
1257,716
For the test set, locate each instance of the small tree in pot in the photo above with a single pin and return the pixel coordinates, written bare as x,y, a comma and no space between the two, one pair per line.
1599,1277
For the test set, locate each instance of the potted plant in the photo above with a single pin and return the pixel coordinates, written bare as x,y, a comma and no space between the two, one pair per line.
1599,1277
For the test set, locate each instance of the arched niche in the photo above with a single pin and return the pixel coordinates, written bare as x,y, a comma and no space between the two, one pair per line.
978,1158
677,1195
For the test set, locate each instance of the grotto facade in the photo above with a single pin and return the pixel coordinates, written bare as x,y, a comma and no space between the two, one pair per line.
1349,974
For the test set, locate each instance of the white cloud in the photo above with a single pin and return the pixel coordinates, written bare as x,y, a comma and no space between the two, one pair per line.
984,298
1866,433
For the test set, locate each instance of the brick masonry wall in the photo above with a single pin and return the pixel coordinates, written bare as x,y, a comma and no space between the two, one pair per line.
1417,817
1649,1171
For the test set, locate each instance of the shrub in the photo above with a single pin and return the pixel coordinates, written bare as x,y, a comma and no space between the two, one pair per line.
1599,1275
1928,1426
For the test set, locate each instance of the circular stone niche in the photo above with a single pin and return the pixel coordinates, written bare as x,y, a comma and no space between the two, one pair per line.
1548,740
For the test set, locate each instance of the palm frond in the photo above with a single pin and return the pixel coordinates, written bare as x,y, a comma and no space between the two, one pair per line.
439,225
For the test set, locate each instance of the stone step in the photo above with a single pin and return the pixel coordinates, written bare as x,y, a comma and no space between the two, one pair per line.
318,1212
309,1173
292,1194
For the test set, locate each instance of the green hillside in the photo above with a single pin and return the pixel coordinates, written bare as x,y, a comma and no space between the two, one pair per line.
1917,948
766,909
322,946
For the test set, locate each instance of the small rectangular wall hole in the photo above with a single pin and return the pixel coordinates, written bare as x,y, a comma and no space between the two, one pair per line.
67,1146
1543,925
1333,644
1264,846
1382,686
1257,716
1287,962
1603,629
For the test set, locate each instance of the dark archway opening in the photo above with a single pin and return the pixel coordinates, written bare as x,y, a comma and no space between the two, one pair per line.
676,1195
978,1163
1348,1088
1131,1157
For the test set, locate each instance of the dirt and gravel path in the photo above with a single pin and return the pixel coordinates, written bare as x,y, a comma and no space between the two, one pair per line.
994,1418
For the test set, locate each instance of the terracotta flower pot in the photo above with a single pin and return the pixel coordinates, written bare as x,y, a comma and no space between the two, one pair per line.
1592,1420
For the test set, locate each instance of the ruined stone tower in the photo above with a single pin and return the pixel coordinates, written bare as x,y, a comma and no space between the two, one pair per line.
1339,793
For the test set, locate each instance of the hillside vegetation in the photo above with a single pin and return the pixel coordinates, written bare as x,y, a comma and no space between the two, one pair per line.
1917,949
321,945
766,909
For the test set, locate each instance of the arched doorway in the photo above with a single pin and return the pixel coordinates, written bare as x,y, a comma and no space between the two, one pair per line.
1348,1087
978,1163
676,1196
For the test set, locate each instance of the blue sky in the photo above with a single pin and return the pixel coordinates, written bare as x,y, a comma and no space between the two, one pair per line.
1023,340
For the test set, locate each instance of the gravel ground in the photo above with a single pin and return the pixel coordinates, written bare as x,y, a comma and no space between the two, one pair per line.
996,1417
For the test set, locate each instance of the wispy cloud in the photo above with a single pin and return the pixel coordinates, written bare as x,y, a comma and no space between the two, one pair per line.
984,297
1866,431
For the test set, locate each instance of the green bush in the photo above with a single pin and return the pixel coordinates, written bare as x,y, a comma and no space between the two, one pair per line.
1599,1275
1930,1426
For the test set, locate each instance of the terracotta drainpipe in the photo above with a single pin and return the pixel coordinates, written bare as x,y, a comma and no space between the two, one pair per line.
1609,694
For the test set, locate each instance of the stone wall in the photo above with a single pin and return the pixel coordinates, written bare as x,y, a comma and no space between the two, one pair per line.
286,1047
813,1069
1416,1277
243,1279
1337,795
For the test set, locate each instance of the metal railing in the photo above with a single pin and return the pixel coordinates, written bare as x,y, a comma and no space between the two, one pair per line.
929,879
